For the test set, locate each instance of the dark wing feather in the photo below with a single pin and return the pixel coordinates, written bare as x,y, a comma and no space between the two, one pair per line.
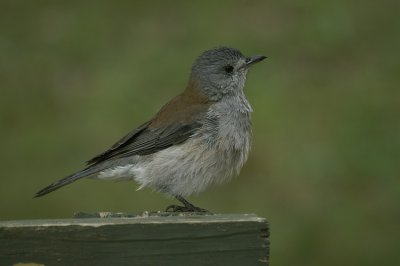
125,140
145,140
173,124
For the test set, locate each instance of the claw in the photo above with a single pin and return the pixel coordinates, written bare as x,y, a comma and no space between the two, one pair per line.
188,207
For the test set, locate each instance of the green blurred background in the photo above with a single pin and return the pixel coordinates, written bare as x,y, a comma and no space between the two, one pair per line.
324,169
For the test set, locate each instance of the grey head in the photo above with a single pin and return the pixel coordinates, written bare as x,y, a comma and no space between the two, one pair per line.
222,71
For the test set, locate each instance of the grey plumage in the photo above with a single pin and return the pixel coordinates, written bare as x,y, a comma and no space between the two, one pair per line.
201,137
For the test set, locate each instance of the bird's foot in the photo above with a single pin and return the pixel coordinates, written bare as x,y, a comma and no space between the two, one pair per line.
190,208
187,207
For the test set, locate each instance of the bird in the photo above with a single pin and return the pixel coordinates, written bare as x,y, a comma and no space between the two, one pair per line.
199,138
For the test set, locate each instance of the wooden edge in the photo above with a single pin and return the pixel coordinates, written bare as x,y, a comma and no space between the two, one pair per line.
144,218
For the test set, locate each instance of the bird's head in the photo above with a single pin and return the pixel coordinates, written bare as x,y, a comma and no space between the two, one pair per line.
222,71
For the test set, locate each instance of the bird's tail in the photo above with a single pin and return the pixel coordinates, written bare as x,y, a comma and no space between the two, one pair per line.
69,179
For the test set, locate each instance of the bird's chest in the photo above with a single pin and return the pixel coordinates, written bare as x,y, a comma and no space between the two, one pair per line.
230,126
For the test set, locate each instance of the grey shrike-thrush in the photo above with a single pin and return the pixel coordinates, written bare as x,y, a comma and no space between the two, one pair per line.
199,138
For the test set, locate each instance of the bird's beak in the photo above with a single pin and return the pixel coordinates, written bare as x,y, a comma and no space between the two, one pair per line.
254,59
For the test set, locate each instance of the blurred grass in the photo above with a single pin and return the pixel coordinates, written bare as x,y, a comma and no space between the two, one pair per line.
76,76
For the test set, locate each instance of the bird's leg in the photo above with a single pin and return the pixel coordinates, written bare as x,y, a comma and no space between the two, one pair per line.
188,207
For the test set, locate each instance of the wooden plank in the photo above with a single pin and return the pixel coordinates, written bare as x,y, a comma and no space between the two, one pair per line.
147,239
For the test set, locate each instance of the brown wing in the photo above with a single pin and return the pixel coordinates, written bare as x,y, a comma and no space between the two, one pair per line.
175,122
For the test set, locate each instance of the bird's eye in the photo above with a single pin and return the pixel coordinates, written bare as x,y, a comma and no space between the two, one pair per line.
228,69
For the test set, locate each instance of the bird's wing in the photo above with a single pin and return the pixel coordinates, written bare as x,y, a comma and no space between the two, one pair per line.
174,123
145,140
119,144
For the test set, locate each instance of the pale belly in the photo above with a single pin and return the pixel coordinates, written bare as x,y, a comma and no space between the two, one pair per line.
184,169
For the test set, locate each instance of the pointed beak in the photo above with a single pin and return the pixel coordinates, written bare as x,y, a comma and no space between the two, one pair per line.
254,59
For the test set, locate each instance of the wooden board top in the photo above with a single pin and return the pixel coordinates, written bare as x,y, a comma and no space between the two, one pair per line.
107,218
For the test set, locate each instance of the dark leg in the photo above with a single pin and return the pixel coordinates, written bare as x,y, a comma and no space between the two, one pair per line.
188,207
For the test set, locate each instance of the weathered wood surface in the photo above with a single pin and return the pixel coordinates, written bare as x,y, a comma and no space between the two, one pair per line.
148,239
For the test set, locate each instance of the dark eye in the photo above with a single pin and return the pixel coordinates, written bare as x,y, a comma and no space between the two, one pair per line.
228,69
